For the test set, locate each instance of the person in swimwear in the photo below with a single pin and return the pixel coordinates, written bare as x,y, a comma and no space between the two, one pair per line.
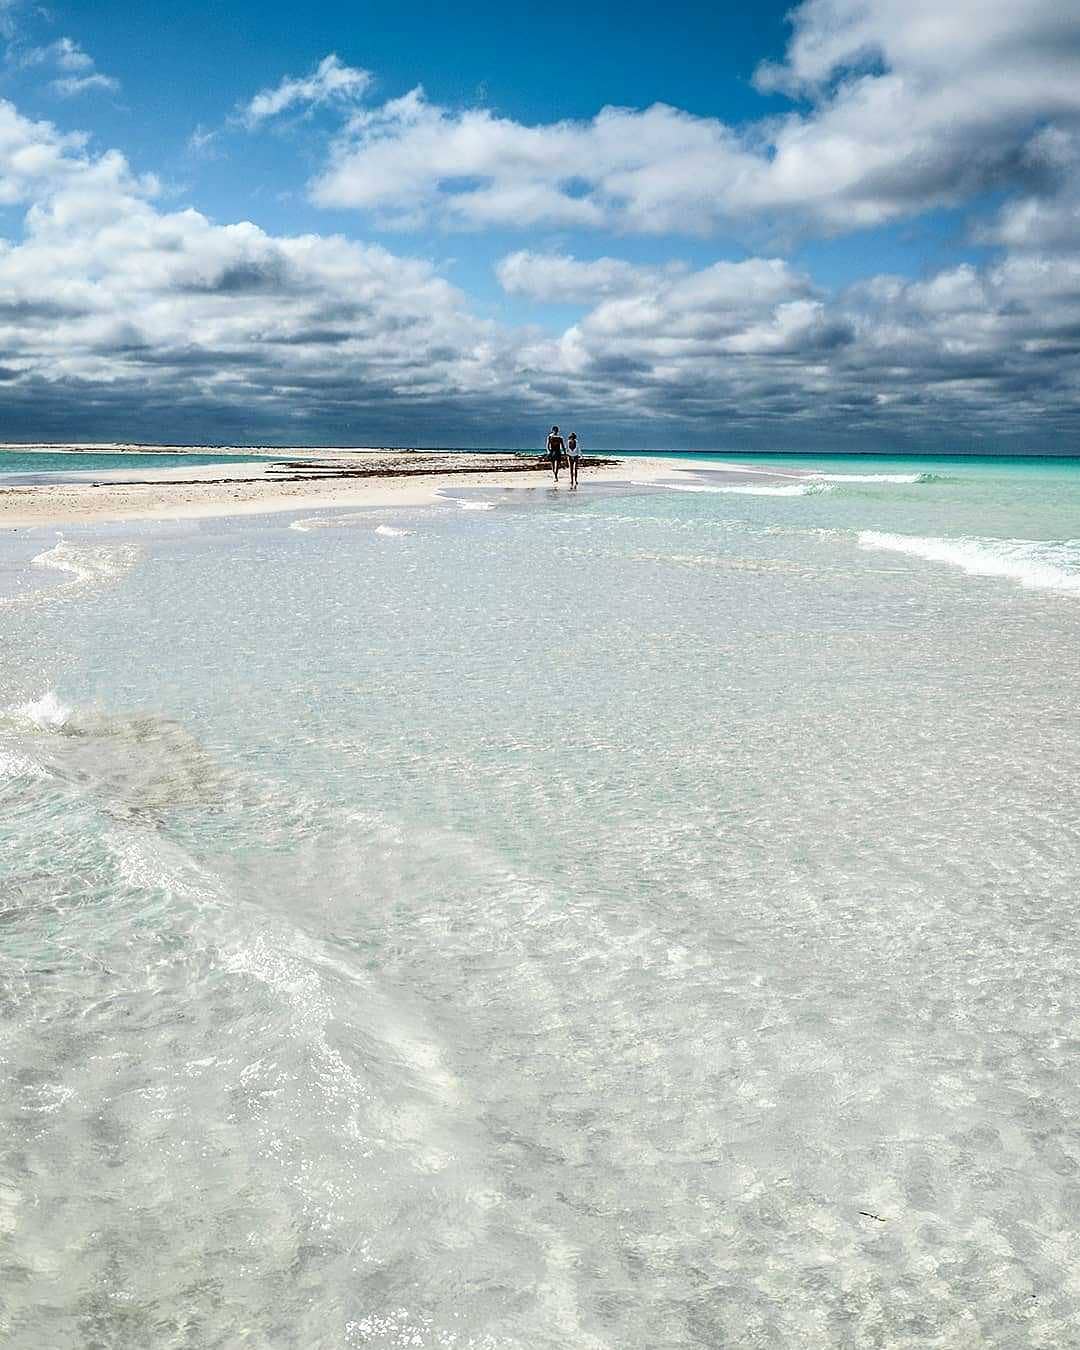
573,455
555,448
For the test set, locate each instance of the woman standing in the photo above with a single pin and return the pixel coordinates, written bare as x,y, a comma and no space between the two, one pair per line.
574,456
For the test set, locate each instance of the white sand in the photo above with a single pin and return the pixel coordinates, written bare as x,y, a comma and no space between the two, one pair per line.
245,489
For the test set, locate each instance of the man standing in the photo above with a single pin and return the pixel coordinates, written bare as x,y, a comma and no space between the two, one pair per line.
555,449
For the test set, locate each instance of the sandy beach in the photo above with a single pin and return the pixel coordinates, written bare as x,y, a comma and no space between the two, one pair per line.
299,480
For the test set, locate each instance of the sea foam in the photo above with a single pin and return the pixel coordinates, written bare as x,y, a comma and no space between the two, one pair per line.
47,713
86,565
802,488
1035,564
874,477
89,563
820,476
309,523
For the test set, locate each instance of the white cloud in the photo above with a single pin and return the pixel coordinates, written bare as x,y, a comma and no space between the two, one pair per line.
743,347
557,278
1048,220
413,158
77,66
64,53
70,85
330,82
977,41
201,141
913,104
109,301
121,318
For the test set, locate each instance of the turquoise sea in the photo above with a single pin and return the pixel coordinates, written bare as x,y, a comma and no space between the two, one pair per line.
634,918
32,463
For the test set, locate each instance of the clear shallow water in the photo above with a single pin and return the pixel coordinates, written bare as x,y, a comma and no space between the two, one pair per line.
644,919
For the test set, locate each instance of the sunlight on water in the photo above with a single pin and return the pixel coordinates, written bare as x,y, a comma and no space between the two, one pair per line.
644,919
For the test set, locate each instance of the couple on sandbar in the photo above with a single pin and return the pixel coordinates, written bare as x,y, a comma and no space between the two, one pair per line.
557,448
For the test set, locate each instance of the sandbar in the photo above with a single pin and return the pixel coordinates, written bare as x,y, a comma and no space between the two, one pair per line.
300,480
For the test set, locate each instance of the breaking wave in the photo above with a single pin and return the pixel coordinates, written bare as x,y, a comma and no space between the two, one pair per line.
802,488
875,477
821,476
1035,564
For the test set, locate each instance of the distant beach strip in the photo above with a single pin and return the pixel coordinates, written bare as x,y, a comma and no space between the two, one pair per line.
98,485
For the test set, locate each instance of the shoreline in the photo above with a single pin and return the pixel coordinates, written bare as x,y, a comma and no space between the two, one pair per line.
299,481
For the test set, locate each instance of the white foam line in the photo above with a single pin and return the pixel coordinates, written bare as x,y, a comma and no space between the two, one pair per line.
818,475
1035,564
801,488
470,506
308,523
86,564
872,477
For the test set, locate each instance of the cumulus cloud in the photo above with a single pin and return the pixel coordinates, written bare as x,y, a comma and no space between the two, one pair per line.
113,308
557,278
1046,220
330,82
122,318
753,352
912,104
411,159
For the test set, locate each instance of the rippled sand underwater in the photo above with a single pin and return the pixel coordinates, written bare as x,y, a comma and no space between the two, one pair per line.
640,920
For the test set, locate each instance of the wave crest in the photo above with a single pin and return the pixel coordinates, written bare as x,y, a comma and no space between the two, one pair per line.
1036,564
876,477
805,488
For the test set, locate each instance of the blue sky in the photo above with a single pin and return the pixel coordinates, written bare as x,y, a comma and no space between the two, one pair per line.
853,223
